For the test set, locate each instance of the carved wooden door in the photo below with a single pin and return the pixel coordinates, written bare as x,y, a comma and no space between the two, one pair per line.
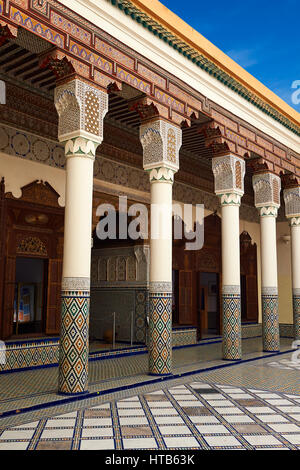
185,297
9,297
54,297
252,297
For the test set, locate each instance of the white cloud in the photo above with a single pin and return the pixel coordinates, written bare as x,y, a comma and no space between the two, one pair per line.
244,57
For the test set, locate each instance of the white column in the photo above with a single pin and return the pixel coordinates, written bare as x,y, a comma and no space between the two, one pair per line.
81,109
229,171
231,245
292,211
161,216
266,187
268,250
161,142
78,215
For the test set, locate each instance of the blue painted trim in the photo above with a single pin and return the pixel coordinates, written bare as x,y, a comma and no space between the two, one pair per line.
160,375
208,339
25,369
231,360
93,353
197,344
33,341
192,328
72,399
66,394
134,353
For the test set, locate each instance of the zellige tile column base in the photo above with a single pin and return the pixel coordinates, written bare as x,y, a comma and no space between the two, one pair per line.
270,319
160,332
232,329
74,341
296,312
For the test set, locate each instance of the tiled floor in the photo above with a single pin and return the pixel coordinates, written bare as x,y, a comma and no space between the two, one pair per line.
286,364
244,405
194,415
40,386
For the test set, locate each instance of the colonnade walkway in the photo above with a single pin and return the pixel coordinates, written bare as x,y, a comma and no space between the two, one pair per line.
31,395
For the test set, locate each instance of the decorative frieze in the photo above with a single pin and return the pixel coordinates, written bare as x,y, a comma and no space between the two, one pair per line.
25,145
155,286
75,283
32,246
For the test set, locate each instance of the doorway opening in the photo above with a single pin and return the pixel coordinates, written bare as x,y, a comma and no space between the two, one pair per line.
208,304
243,298
30,296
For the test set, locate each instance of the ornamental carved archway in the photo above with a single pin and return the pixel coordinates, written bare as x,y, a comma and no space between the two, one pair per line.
31,227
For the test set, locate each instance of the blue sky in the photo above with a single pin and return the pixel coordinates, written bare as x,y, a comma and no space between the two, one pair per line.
262,36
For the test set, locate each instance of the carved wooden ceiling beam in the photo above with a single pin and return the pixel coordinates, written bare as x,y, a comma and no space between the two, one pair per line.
5,34
214,139
145,108
289,180
259,165
60,66
149,109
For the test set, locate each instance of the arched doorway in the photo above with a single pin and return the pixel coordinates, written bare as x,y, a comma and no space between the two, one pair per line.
249,294
197,281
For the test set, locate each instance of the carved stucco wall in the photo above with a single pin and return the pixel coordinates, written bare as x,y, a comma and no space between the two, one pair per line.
119,283
34,148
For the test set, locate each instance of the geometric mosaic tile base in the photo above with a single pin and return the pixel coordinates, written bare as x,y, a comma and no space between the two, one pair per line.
270,322
74,344
160,331
296,313
232,330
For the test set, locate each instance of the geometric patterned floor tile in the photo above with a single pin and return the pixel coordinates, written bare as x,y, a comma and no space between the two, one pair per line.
161,420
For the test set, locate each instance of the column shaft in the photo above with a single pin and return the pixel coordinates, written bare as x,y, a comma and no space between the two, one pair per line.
295,251
232,337
74,346
160,296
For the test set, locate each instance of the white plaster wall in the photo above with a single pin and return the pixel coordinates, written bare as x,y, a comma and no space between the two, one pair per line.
18,172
